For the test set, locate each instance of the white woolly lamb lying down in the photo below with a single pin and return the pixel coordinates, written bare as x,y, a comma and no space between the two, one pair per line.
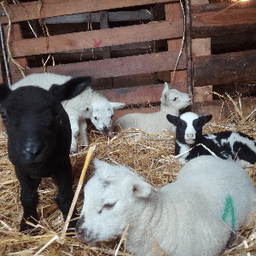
154,123
193,216
88,105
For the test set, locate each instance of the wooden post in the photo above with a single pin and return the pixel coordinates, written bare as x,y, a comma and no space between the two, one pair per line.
188,27
15,73
178,79
108,82
201,47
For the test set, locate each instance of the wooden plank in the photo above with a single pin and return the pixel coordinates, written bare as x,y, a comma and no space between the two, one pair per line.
135,95
84,40
225,68
220,19
142,64
29,10
95,17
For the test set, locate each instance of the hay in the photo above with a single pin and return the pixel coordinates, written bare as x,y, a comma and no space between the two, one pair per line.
151,157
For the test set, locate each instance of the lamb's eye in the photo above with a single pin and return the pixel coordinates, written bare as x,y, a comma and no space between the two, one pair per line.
175,99
95,118
109,206
4,115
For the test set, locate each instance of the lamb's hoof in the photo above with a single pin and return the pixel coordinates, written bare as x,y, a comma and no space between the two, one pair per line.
29,230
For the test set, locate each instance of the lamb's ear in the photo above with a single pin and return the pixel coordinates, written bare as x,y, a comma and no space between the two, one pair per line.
205,119
117,105
137,187
4,91
173,119
101,167
71,88
166,88
106,171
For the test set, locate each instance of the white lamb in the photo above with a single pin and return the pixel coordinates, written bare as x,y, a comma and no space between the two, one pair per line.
87,105
193,216
154,123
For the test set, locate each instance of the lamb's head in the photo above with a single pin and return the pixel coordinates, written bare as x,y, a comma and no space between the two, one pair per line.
34,119
102,114
189,127
110,198
174,99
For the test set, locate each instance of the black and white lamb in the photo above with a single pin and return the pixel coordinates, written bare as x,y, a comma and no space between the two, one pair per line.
192,216
87,105
226,145
39,138
172,101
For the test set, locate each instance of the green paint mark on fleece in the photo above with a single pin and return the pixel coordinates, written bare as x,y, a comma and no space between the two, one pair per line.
229,211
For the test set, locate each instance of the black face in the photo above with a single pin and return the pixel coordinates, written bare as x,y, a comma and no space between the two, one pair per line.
181,127
32,117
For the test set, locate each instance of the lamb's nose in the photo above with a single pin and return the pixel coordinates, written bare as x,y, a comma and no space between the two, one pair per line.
105,130
32,149
190,136
79,231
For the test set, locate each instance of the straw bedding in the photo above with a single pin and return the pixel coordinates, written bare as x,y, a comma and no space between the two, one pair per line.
151,157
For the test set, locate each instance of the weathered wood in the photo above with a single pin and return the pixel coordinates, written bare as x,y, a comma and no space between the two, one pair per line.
188,26
95,17
84,40
29,10
220,19
135,95
106,50
225,68
142,64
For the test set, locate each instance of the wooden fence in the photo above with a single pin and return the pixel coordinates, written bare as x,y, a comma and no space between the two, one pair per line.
129,47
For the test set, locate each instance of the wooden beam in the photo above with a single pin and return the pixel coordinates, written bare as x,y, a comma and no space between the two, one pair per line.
29,10
132,65
220,19
95,17
84,40
135,95
225,68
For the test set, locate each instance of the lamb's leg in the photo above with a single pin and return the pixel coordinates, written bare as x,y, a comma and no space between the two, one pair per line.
75,133
65,194
83,135
29,198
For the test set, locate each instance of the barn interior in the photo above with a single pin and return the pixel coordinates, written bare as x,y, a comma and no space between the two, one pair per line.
130,48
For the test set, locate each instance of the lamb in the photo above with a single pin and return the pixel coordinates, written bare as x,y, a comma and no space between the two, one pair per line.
39,138
87,105
226,145
193,216
171,102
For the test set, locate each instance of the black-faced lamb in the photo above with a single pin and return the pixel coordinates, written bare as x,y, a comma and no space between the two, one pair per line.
172,101
193,216
87,105
39,138
226,145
